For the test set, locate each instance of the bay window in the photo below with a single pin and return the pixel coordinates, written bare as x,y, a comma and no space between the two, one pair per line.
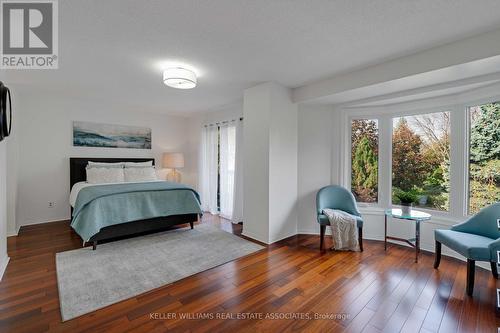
443,158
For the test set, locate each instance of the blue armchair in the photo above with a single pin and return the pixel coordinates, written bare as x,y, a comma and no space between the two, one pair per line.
337,197
478,238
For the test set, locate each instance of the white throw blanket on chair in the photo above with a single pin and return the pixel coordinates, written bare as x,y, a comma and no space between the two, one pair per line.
344,230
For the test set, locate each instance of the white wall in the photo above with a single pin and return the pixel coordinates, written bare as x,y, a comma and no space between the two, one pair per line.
282,165
256,105
270,159
316,132
45,146
3,208
12,164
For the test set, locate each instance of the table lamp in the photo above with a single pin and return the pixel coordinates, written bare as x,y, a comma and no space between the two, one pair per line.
173,161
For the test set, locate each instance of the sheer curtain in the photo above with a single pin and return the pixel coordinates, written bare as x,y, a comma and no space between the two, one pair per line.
227,165
238,175
209,174
221,170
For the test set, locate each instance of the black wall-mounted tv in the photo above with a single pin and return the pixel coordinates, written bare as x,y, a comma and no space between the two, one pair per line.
5,111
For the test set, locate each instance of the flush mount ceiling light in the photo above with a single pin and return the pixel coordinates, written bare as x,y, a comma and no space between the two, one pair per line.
179,78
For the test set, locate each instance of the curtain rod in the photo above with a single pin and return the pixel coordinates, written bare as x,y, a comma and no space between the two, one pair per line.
223,122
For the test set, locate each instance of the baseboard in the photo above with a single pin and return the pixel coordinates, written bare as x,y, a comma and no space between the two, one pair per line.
284,237
260,239
314,232
3,266
254,236
47,221
11,233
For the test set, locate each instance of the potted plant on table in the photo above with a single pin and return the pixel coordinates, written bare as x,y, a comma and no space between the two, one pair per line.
406,198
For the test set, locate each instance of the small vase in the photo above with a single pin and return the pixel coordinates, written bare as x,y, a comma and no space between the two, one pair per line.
406,210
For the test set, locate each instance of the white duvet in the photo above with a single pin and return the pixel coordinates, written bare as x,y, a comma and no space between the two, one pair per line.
77,187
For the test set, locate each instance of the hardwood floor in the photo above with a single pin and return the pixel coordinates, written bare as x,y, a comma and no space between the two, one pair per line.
374,291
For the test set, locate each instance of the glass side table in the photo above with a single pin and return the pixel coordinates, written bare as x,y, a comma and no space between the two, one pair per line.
416,216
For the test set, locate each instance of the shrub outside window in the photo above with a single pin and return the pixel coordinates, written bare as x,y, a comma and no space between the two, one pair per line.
484,156
364,160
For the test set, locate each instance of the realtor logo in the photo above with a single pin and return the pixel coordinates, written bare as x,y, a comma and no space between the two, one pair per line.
29,34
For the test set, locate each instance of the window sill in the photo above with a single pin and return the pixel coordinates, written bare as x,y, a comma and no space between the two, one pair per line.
371,210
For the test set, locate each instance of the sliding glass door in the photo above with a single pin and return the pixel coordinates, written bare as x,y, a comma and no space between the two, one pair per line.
221,181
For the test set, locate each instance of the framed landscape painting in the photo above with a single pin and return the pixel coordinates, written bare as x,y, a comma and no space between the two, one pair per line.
88,134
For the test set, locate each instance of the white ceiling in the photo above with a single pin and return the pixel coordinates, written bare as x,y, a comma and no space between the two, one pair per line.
111,51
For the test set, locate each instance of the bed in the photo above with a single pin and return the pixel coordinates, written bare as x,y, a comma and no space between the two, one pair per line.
102,212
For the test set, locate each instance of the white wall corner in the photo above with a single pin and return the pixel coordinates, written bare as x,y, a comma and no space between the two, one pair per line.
13,231
255,236
3,266
270,157
317,160
283,141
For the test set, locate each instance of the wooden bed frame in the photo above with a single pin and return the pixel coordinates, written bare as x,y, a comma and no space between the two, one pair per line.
129,229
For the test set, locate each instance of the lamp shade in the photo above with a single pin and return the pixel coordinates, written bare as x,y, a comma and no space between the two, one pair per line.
179,78
173,160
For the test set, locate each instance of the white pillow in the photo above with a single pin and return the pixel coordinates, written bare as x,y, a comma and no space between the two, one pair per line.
105,175
140,174
137,164
105,164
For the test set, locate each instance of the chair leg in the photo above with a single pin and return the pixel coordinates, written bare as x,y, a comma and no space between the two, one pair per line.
437,258
360,239
322,230
494,269
471,267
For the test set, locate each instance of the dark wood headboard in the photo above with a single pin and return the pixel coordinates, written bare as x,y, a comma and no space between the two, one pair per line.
77,166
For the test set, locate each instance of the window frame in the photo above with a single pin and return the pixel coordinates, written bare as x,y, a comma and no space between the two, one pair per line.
458,107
